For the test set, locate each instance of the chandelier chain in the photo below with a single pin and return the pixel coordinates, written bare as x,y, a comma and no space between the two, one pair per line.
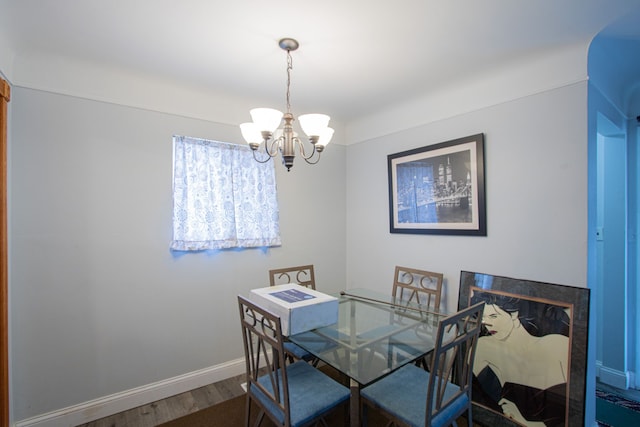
289,68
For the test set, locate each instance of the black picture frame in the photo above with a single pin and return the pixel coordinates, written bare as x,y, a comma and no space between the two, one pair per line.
439,189
540,311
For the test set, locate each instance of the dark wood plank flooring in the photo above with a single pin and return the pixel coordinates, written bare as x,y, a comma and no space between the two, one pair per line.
155,413
631,394
168,409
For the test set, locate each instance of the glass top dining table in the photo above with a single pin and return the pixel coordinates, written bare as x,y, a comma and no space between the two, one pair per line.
374,336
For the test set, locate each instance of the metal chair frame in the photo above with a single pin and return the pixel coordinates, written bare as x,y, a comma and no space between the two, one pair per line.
303,275
449,382
267,375
419,286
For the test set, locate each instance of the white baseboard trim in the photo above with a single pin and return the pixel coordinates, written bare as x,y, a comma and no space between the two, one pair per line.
614,377
118,402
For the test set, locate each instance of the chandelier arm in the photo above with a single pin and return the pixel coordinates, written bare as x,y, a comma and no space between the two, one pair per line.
304,155
307,159
258,160
272,146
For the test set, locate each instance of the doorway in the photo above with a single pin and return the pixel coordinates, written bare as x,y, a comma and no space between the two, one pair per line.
611,255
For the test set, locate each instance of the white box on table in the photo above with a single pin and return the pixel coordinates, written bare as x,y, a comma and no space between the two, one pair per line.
300,308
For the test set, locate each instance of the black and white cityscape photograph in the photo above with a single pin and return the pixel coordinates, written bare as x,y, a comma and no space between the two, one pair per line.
438,189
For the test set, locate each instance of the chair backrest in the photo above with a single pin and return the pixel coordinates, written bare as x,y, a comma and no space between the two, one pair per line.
302,275
264,355
419,286
452,359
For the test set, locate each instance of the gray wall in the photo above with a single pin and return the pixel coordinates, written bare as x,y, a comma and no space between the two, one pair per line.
99,305
536,151
536,197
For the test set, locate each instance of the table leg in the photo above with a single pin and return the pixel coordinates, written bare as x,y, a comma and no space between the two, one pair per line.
354,404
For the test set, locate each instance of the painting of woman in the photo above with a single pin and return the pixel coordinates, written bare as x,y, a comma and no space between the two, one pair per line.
521,367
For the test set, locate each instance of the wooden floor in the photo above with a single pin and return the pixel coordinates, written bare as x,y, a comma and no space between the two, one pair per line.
631,394
155,413
174,407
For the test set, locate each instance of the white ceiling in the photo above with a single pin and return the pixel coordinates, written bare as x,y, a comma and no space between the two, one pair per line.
355,55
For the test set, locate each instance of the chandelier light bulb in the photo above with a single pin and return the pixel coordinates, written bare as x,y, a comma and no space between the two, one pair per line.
266,119
325,138
251,133
314,124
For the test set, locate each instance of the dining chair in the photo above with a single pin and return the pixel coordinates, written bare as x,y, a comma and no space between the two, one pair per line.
414,397
302,275
290,395
411,287
419,286
422,287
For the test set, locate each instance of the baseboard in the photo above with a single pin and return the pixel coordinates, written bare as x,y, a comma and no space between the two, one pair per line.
118,402
613,377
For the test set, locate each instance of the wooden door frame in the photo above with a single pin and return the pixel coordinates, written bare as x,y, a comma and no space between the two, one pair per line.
4,259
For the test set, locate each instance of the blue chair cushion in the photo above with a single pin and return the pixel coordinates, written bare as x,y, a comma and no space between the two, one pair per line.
399,341
311,393
297,351
316,344
403,394
408,335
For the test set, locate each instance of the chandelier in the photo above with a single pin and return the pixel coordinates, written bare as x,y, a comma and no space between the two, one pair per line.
265,137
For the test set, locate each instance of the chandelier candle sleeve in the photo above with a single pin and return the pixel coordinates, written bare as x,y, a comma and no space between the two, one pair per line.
264,134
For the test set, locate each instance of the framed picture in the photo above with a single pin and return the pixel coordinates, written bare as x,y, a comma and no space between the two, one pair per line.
530,362
439,189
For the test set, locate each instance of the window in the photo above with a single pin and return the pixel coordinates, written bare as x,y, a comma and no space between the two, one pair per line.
222,197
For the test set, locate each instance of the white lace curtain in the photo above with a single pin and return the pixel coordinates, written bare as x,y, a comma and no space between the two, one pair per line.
222,197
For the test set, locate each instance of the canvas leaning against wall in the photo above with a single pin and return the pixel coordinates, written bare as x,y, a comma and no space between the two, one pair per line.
530,363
